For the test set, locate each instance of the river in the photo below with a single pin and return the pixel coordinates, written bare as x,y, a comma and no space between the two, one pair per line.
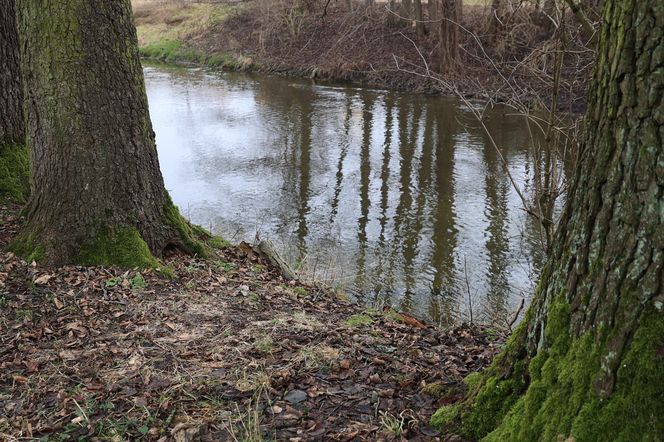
397,199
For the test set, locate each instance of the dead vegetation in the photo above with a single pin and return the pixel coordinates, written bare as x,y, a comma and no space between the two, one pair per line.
376,46
226,350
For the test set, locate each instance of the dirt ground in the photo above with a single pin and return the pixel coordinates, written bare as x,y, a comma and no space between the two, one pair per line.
225,350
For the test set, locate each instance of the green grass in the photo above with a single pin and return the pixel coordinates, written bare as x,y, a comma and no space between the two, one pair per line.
156,22
166,32
359,320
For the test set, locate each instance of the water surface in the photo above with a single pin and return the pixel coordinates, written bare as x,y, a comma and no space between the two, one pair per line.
400,199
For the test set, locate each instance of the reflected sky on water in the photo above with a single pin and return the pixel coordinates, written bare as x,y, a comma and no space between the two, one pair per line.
398,198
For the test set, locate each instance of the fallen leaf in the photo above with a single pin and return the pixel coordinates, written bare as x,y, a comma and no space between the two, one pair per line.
43,279
20,379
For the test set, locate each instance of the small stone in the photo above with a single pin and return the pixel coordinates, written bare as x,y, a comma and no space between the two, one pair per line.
296,396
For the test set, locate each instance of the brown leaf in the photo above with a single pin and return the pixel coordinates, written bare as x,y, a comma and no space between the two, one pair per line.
411,320
43,279
31,366
20,379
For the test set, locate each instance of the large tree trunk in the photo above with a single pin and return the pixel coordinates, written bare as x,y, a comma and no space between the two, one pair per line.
588,363
448,47
11,95
98,194
14,175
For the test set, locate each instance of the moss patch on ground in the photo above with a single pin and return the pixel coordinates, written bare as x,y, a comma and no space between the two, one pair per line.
359,320
14,173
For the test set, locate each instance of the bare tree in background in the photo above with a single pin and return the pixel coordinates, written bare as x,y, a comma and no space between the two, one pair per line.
419,19
448,48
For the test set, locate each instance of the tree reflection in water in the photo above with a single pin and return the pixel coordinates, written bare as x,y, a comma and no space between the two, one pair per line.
386,194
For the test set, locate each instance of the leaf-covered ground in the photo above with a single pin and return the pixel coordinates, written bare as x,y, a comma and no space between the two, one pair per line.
227,350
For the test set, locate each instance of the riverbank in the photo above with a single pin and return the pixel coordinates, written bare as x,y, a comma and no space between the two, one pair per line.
368,46
225,350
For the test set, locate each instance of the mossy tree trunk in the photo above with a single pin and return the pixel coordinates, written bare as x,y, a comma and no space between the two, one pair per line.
98,195
14,177
587,363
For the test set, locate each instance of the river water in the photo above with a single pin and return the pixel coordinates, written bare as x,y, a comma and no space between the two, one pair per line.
397,199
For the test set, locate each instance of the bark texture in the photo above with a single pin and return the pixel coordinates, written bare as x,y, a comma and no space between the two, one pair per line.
450,20
498,14
98,195
587,363
14,161
11,96
419,19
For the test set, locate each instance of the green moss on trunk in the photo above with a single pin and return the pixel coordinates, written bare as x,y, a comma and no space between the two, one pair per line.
589,364
27,246
14,173
561,400
490,393
122,246
195,239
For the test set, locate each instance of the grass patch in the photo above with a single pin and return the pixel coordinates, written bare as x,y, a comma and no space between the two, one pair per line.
318,356
171,21
167,32
359,320
264,345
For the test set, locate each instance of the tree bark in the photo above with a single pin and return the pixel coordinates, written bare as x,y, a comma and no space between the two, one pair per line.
11,94
419,19
406,8
98,194
586,363
432,7
497,20
14,159
448,48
